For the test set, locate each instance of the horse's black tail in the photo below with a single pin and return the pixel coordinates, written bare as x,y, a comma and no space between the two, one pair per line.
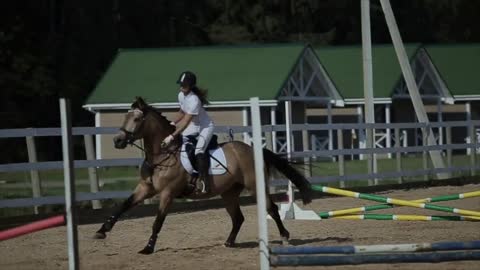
283,166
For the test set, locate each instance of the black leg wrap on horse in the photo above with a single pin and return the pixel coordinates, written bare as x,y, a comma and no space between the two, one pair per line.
110,222
108,225
150,247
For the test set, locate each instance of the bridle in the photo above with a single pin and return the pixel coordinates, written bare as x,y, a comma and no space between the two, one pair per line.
129,136
130,139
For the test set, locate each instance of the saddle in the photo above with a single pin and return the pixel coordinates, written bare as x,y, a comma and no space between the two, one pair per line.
217,162
191,143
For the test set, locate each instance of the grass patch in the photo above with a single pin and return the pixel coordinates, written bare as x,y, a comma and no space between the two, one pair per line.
326,167
57,175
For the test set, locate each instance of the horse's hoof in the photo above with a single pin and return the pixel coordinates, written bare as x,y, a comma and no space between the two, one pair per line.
229,244
285,241
146,251
100,235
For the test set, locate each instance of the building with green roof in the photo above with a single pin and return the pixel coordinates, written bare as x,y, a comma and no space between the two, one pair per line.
325,84
459,66
232,74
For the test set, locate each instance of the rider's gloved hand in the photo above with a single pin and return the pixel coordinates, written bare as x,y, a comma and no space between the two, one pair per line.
167,140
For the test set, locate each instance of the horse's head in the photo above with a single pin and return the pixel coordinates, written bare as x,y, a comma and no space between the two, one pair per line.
138,121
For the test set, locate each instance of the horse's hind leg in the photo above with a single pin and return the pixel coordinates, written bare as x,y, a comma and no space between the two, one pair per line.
141,192
272,210
232,204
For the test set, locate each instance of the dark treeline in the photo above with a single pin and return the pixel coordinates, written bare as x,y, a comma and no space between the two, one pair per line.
53,48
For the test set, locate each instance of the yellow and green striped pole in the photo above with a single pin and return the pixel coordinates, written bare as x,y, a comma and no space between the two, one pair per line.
382,199
408,217
336,213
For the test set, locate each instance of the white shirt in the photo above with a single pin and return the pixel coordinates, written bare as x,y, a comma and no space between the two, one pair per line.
191,104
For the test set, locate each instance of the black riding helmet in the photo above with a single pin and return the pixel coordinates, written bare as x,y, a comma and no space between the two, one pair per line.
187,78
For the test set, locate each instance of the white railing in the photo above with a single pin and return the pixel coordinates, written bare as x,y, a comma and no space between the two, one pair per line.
317,148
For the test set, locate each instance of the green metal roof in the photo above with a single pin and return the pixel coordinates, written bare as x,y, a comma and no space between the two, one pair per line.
229,73
458,65
344,65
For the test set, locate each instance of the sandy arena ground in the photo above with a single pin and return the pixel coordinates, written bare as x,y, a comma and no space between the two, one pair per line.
194,240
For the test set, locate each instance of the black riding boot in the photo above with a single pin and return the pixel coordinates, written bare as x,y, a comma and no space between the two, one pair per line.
202,161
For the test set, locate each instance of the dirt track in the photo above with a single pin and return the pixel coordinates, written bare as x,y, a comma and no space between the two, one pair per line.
194,240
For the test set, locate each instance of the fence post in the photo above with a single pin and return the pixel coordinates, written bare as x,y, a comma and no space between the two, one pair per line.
341,160
92,171
388,142
405,138
34,175
313,146
449,142
473,151
306,148
273,122
268,140
246,137
398,154
424,153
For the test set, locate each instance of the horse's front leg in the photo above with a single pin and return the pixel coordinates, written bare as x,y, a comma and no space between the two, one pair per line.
166,199
142,191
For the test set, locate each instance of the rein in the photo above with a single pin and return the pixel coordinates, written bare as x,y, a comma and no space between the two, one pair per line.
167,151
130,138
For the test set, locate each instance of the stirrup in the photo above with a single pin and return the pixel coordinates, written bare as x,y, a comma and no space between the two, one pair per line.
204,190
201,190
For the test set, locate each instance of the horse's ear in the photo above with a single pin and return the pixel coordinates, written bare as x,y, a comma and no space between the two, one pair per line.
139,103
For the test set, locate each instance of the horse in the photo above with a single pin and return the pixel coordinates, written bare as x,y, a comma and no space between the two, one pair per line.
169,180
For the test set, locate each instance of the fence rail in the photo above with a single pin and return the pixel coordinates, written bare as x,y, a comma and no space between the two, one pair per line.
307,152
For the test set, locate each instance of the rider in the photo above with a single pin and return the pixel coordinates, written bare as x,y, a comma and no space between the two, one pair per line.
193,120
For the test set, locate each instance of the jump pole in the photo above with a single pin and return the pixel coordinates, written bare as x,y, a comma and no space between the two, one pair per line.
32,227
69,178
260,184
311,260
443,198
382,199
365,249
408,217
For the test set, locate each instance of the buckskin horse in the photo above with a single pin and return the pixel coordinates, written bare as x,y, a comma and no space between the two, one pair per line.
168,179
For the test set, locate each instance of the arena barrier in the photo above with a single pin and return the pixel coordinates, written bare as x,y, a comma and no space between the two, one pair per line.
70,217
350,255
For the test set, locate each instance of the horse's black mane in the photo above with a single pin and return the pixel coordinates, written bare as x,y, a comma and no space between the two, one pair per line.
146,109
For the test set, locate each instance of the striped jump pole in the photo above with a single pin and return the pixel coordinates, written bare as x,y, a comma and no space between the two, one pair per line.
407,217
382,199
310,260
386,206
33,227
364,249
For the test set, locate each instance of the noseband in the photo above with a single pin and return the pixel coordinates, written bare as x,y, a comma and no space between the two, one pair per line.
129,137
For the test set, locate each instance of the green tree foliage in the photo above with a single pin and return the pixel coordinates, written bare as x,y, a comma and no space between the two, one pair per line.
54,48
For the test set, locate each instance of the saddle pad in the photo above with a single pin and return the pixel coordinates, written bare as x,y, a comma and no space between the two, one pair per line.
215,167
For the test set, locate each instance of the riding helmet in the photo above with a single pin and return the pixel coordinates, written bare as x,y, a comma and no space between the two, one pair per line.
187,77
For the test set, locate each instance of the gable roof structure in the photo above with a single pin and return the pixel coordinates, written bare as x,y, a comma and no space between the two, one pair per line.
344,66
429,82
458,65
232,74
